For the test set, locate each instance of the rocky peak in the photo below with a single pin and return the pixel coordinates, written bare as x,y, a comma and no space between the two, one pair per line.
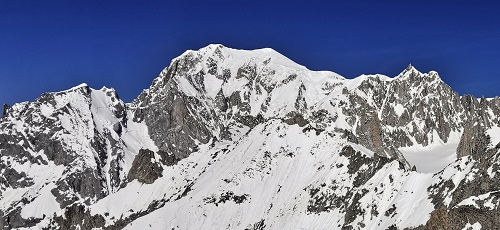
227,56
222,81
407,110
412,74
410,71
231,129
5,108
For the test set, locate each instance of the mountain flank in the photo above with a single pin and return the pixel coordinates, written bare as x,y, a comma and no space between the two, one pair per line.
248,139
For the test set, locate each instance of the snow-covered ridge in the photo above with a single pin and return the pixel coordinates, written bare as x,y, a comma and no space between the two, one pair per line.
269,84
223,131
267,59
239,57
216,68
262,54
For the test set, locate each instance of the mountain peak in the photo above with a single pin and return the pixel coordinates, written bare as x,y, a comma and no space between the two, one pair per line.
412,72
237,56
411,69
83,87
226,129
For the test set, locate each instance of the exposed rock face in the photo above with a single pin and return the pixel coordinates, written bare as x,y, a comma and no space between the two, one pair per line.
5,108
461,217
86,183
474,141
176,121
10,177
324,198
222,131
414,105
77,217
64,139
145,168
295,118
439,220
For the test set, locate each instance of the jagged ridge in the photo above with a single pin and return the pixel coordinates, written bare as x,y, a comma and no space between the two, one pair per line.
231,130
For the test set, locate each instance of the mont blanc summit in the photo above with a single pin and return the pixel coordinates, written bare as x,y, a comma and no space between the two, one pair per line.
249,139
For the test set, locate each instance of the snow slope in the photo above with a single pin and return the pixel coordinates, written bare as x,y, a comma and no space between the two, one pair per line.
238,139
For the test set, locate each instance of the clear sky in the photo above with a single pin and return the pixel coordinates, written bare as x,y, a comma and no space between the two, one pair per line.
54,45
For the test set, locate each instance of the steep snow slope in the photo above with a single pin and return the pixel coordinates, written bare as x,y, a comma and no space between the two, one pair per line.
66,147
432,159
272,177
237,139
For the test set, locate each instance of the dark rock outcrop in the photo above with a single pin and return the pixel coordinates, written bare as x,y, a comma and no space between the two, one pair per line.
5,109
460,217
78,217
439,220
84,133
86,183
145,168
324,199
175,120
293,118
474,141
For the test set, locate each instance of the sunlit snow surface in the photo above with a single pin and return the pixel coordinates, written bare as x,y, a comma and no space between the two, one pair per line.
274,164
434,157
276,185
494,134
475,226
431,159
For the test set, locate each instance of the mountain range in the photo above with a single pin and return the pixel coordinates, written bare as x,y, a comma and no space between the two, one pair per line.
248,139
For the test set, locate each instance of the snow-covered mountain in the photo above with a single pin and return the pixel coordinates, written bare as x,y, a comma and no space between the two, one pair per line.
236,139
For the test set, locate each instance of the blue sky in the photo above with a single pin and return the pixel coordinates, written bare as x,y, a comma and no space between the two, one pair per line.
54,45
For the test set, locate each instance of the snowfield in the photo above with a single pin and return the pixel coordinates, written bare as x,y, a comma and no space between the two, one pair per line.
238,139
